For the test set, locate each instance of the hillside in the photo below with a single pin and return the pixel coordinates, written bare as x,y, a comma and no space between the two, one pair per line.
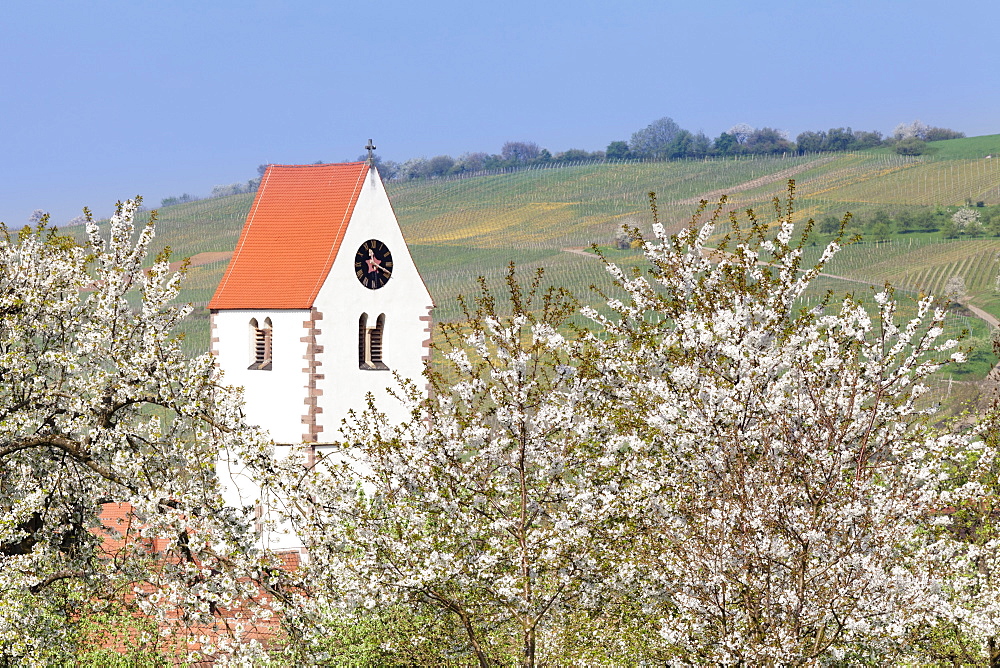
965,148
462,228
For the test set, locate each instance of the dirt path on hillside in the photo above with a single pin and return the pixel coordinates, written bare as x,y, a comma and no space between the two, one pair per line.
982,315
202,259
783,175
579,250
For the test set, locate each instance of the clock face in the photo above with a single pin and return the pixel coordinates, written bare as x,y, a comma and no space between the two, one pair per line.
373,264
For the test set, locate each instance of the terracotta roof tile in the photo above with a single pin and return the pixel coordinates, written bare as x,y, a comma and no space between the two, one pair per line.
291,236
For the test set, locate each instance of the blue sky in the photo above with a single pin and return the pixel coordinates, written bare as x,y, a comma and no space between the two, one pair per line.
103,99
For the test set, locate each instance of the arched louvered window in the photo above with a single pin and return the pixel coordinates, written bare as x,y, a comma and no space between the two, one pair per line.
260,345
370,342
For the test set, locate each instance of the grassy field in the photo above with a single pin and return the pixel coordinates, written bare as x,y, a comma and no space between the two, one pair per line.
463,228
965,148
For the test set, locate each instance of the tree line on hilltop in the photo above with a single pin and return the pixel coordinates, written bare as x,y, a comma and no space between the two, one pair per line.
662,139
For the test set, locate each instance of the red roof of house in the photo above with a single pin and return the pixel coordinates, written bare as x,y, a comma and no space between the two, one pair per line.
291,236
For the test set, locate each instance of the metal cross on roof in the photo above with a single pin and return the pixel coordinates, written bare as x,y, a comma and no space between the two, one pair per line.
371,147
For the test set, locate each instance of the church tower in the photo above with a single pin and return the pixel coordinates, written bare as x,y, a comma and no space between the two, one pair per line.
320,304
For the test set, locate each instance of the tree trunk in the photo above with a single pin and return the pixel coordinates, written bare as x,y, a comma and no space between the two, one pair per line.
529,648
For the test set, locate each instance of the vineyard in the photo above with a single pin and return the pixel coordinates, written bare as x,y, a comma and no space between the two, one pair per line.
462,228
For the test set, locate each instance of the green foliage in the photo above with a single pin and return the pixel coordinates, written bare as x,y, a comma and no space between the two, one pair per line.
837,139
944,644
617,150
881,231
726,144
178,199
828,225
387,636
766,141
942,134
93,634
911,146
879,226
118,638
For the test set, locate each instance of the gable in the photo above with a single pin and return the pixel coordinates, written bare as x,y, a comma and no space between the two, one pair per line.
291,236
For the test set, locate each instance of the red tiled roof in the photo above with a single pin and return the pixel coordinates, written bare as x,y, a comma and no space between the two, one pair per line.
291,236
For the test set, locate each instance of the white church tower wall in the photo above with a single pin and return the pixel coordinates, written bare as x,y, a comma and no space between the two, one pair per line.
274,396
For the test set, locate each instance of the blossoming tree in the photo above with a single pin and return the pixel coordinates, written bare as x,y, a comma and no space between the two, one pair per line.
99,412
793,485
494,504
715,475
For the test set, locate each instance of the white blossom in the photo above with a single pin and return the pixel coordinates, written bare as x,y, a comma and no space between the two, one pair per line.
99,406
